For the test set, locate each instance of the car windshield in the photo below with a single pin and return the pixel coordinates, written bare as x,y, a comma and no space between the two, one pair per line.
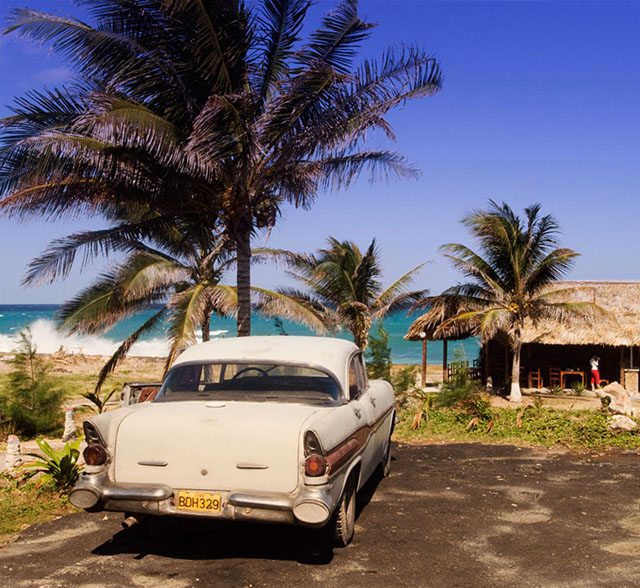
249,382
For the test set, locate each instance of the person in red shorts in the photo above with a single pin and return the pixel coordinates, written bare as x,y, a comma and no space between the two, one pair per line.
595,374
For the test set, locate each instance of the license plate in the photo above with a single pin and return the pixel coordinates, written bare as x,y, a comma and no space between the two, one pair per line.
199,502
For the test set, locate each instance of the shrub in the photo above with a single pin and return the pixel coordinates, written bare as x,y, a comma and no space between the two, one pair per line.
578,388
60,468
379,355
458,388
32,402
404,379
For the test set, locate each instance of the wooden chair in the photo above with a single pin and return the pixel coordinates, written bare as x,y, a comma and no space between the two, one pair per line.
554,377
535,378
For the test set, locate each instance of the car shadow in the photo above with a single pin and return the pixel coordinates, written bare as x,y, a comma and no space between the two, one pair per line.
196,539
200,539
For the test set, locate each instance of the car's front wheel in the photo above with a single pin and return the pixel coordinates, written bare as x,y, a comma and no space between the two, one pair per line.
343,522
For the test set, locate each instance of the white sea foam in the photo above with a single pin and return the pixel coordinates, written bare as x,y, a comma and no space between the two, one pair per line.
49,340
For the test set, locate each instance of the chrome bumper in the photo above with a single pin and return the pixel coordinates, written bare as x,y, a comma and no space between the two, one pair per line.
96,492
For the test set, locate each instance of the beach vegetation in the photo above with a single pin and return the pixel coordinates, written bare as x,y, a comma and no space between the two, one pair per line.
578,388
404,379
31,402
341,288
99,401
57,467
548,427
378,355
25,503
510,279
210,114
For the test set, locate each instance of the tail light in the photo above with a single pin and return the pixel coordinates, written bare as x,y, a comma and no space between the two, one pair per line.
312,444
95,455
315,465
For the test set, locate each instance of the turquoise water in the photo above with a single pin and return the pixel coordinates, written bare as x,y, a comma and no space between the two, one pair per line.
41,319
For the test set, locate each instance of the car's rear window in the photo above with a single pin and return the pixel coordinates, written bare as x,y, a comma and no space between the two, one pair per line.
250,382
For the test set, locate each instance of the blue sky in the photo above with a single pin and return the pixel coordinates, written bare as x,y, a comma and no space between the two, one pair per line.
540,104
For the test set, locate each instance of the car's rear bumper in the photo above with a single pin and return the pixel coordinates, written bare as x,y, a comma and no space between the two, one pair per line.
311,506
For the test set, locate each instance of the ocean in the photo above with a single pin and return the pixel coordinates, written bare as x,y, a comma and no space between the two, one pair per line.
41,319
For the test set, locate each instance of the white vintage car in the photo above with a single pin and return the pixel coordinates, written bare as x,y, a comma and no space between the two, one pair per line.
275,429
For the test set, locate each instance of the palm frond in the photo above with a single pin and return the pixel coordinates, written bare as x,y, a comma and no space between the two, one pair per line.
186,314
295,306
338,37
56,261
399,287
125,346
281,21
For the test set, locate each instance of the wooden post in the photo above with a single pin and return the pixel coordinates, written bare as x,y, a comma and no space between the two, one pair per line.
621,380
445,375
486,361
424,362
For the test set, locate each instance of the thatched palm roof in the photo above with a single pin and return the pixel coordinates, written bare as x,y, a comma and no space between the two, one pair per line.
621,328
430,321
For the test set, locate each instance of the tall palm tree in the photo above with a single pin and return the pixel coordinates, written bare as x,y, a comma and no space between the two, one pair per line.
180,105
510,279
341,289
178,267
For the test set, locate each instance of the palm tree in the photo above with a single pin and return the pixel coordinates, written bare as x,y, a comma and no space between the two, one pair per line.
341,290
181,105
510,279
180,270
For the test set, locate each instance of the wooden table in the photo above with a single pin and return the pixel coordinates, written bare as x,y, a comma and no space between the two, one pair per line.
564,373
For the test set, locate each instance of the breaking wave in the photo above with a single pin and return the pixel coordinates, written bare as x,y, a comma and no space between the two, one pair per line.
49,340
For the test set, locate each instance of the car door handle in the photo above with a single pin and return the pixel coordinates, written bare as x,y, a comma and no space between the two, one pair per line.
357,412
373,401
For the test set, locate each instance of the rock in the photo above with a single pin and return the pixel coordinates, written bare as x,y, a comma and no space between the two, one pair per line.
619,422
14,459
620,401
69,425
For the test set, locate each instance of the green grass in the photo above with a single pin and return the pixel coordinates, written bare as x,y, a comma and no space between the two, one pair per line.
579,429
24,505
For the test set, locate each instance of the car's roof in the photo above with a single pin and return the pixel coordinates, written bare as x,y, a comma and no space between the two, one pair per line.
326,352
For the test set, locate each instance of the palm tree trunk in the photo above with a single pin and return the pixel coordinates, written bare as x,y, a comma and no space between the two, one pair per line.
516,395
243,281
206,326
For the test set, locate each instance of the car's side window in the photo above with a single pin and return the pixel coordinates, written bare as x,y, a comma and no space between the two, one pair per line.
354,380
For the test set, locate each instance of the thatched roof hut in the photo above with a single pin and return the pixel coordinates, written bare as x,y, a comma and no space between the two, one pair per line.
614,335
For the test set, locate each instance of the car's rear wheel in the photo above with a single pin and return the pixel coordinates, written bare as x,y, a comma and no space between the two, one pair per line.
343,522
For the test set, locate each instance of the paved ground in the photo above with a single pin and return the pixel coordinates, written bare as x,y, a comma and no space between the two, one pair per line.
449,515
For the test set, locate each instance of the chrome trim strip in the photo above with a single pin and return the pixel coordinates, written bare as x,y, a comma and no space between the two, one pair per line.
122,492
250,501
155,464
252,466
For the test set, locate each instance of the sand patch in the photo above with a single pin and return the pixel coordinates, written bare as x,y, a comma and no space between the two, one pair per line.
398,494
631,547
519,516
